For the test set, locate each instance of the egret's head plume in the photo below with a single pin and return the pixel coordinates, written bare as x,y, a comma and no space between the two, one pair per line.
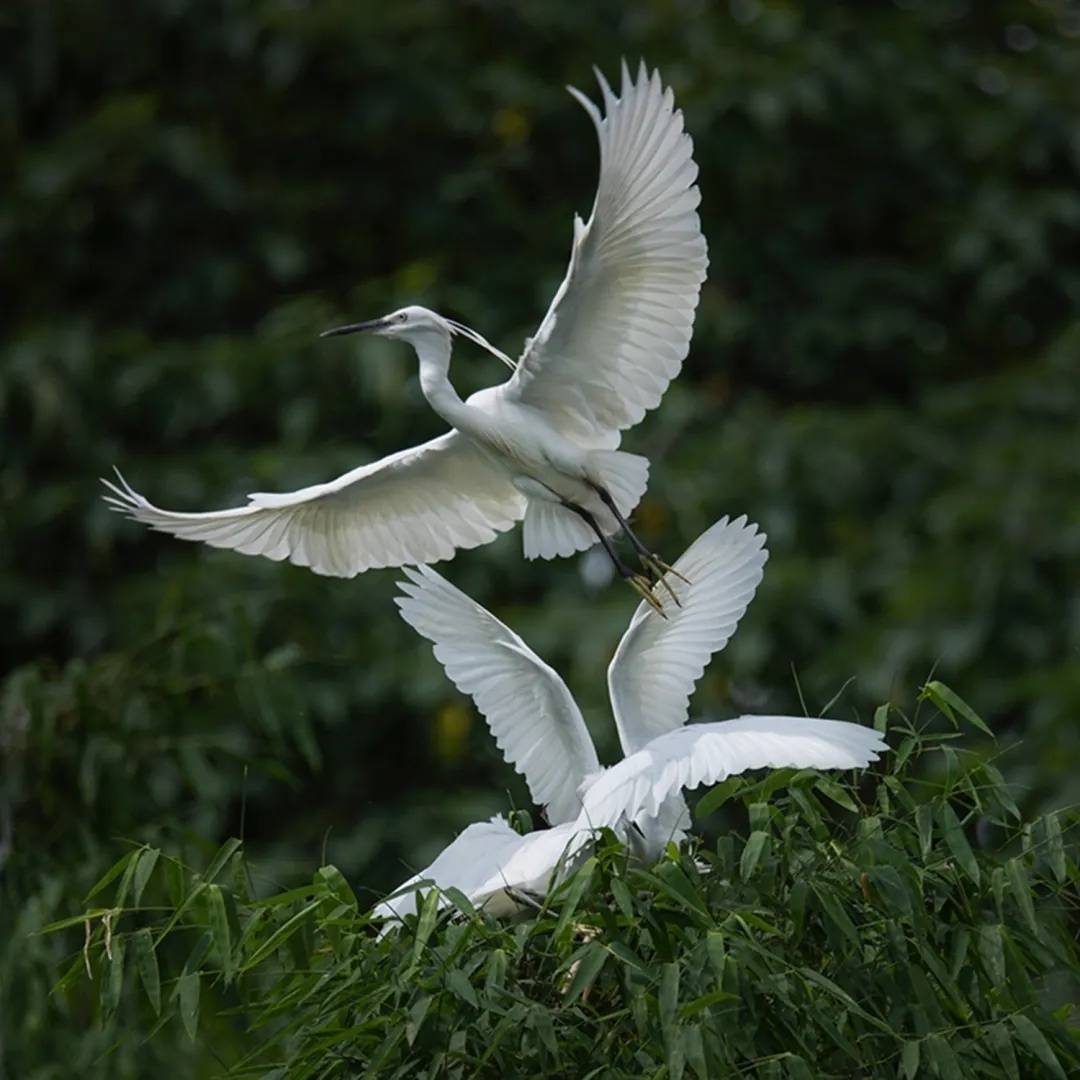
479,339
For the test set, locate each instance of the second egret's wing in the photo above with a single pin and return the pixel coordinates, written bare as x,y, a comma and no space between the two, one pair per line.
658,660
416,506
465,864
708,753
532,867
536,722
619,326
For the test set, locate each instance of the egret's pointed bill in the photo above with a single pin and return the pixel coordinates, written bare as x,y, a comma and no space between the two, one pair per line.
357,327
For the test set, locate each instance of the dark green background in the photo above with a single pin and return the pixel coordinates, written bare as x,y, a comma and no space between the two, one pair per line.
884,375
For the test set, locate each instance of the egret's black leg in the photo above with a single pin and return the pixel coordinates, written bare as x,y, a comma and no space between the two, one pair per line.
638,582
651,561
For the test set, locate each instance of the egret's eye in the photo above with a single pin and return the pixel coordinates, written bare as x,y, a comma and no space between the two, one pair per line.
403,317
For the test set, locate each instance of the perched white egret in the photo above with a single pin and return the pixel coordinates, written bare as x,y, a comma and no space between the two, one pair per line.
539,728
541,446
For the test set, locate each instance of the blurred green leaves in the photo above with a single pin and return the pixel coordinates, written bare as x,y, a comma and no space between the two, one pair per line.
891,960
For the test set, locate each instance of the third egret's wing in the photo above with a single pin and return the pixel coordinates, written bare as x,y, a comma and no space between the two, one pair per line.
619,326
658,661
415,506
536,723
466,863
539,860
708,753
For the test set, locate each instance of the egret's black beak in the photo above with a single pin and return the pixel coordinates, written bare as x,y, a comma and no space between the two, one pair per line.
356,328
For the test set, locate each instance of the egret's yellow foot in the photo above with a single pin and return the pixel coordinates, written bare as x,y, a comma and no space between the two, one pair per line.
643,587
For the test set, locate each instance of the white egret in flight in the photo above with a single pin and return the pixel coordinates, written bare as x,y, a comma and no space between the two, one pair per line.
539,728
543,446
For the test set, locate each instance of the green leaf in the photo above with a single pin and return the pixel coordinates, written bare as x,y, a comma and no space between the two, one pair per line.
622,897
705,1001
1036,1042
924,822
1002,1042
113,982
1001,790
881,719
943,1058
694,1051
188,993
415,1022
811,810
111,874
280,936
675,883
457,982
147,966
949,703
715,797
797,907
73,920
756,847
581,880
714,945
588,967
669,994
540,1022
630,958
834,913
1055,847
797,1068
425,923
1021,891
992,953
219,929
909,1059
124,887
223,855
956,841
334,881
495,971
832,790
147,861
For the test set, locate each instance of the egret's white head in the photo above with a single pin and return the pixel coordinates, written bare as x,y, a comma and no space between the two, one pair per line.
414,324
411,323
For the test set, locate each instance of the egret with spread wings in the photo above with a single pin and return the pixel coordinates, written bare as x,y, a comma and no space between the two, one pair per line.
540,730
542,447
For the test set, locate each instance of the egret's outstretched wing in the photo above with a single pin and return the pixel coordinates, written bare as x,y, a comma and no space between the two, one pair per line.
536,723
708,753
465,864
533,867
658,661
416,506
619,326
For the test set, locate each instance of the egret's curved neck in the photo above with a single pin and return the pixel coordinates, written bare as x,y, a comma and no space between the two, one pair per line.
433,351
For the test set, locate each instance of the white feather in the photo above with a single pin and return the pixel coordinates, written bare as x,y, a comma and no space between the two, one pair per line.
465,864
415,506
708,753
659,661
619,327
534,719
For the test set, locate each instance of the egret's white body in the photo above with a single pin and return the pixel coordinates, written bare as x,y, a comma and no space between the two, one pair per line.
543,446
539,728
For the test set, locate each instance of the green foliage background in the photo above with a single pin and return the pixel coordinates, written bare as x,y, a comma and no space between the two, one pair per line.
884,375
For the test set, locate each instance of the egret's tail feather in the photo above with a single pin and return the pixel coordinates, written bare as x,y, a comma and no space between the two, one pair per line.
551,530
624,476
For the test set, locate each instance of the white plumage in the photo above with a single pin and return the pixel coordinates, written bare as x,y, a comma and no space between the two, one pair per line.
540,730
543,445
